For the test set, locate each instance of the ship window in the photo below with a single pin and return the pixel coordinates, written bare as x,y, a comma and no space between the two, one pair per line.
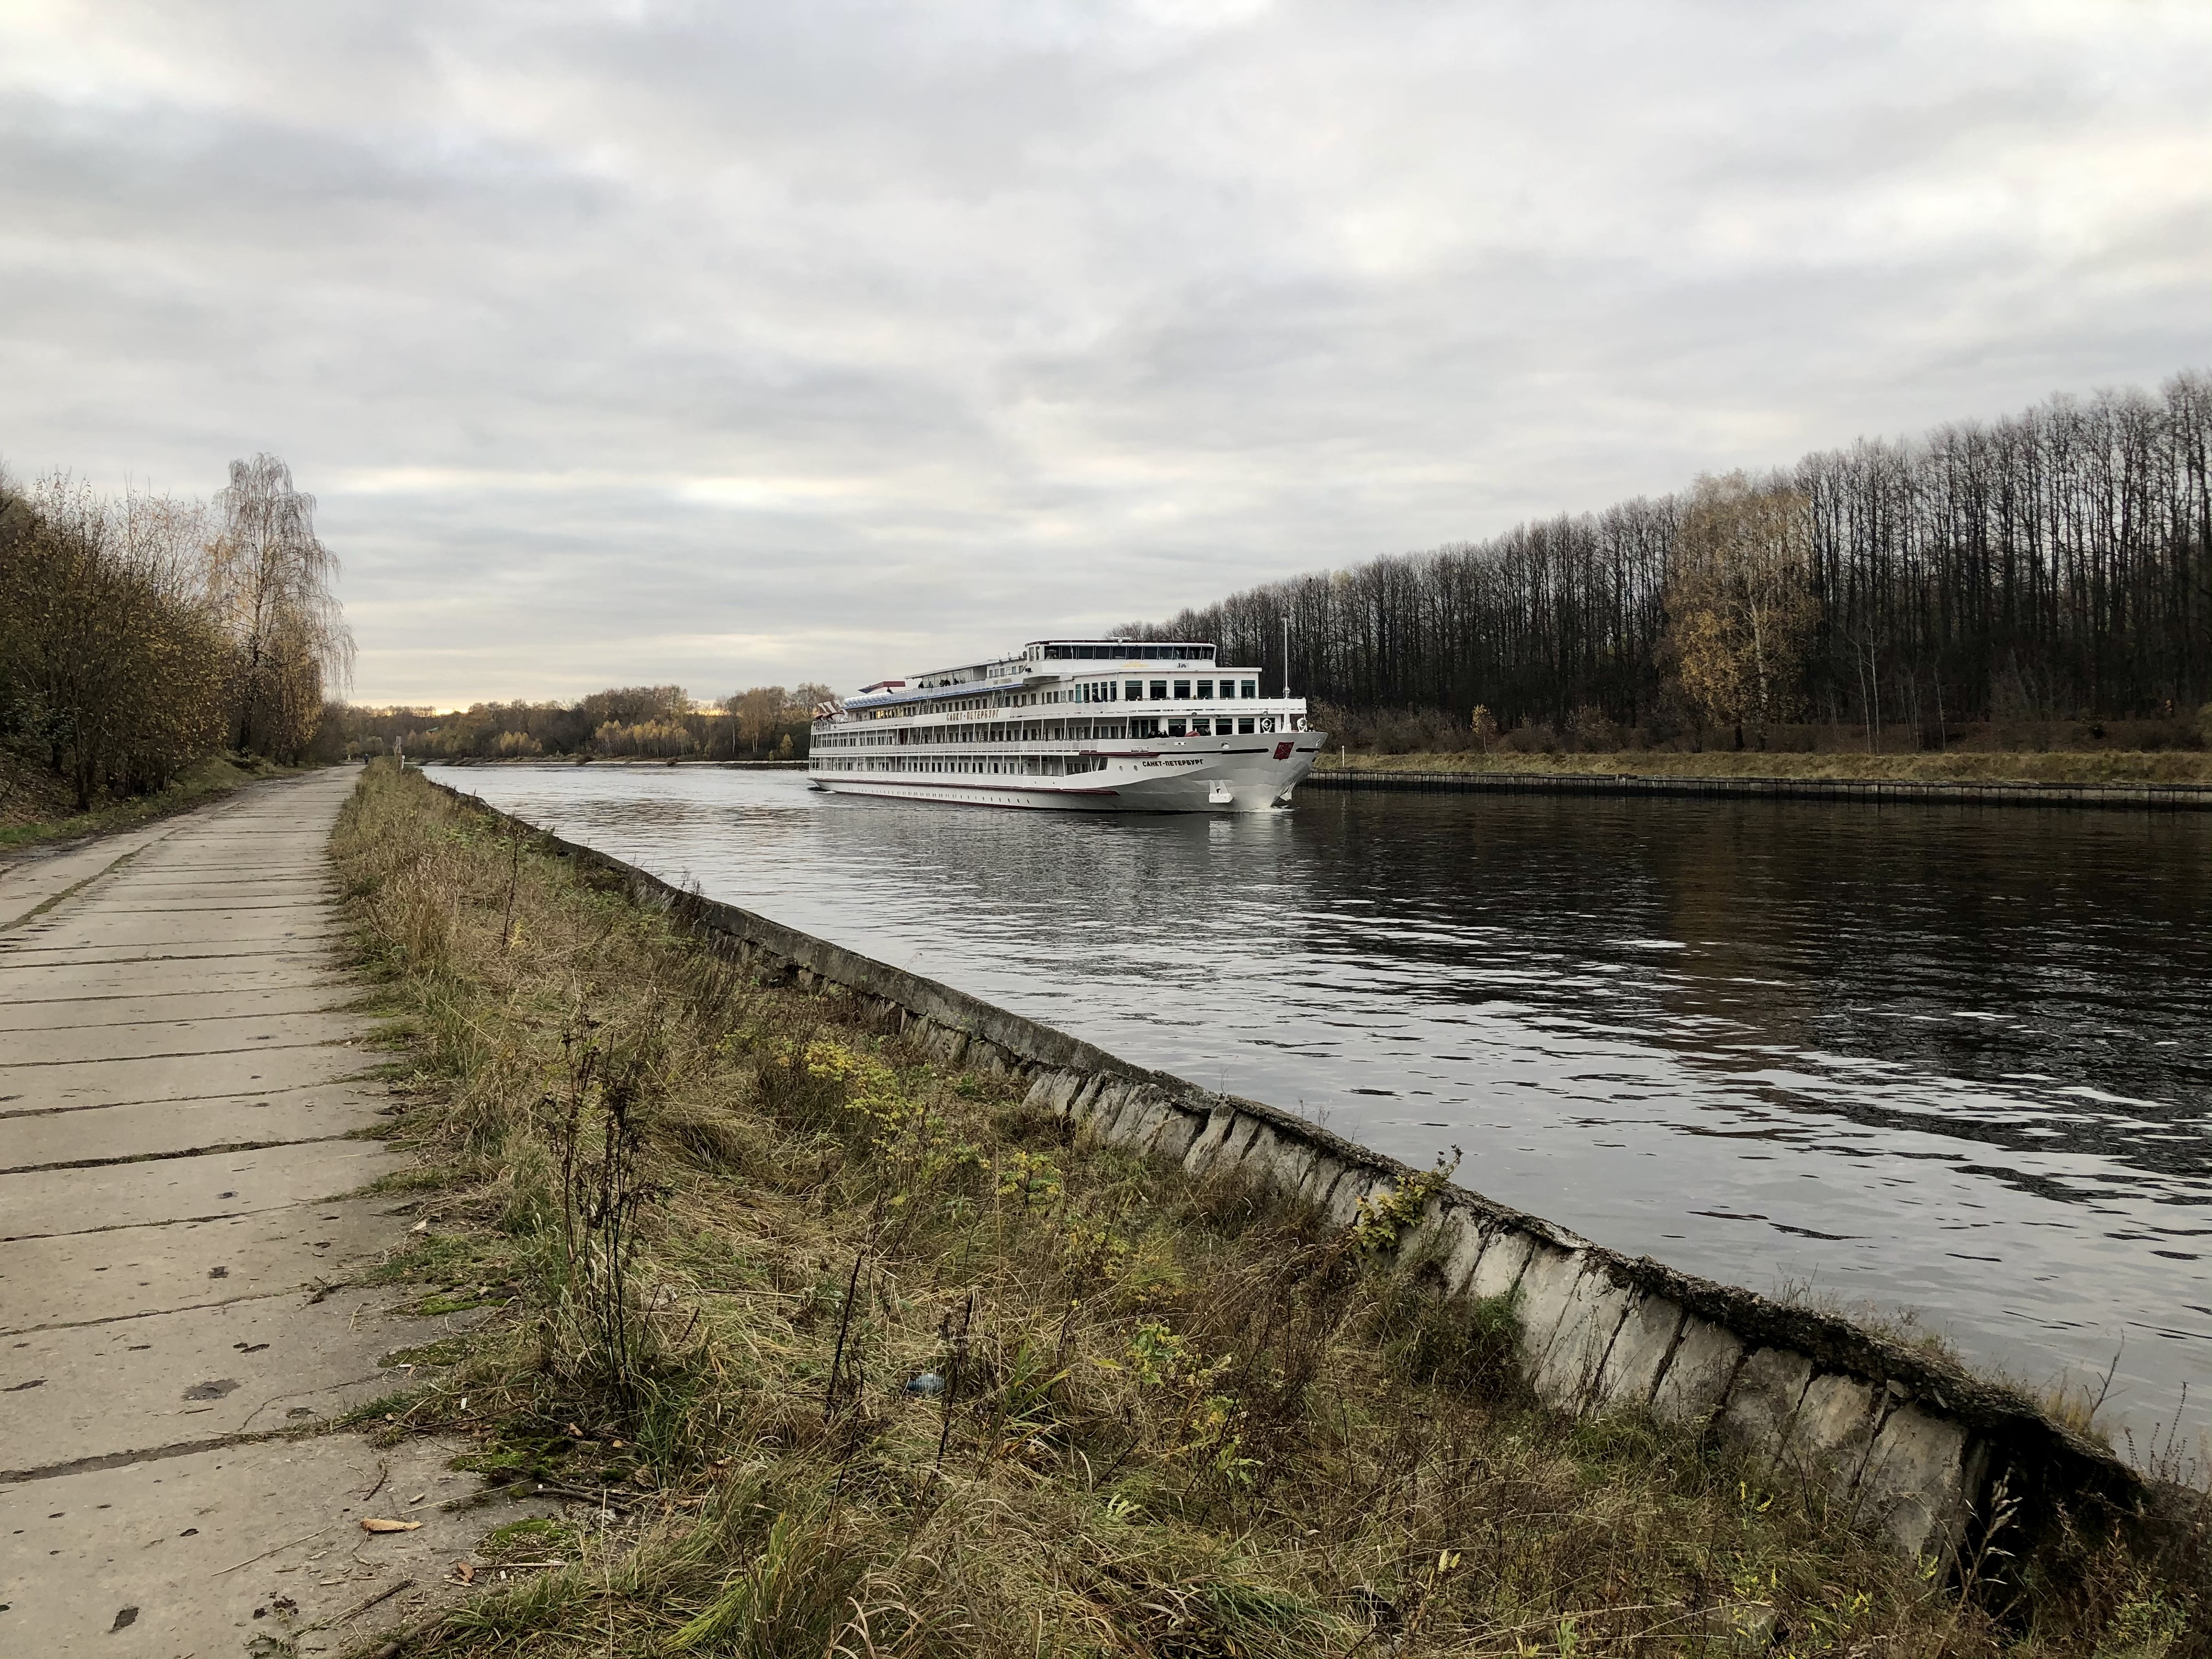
1244,726
1159,690
1136,690
1201,728
1183,689
1175,728
1206,688
1251,687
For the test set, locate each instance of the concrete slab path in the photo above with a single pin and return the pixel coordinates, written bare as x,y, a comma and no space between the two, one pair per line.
182,1071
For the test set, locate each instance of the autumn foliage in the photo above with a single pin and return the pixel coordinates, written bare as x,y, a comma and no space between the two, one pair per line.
140,633
1740,608
632,722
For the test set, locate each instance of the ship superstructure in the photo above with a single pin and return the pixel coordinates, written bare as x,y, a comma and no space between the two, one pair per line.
1116,726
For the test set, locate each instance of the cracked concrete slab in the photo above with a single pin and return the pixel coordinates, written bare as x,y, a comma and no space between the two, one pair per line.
209,1550
33,1139
180,1074
121,1274
160,977
27,972
138,1385
40,877
47,1202
306,994
80,1041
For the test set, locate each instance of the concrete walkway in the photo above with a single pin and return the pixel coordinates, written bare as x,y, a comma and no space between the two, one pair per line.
178,1075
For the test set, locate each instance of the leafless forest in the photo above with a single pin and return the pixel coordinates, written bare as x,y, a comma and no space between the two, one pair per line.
2055,565
141,634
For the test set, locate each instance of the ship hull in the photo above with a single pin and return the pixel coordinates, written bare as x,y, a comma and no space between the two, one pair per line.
1164,775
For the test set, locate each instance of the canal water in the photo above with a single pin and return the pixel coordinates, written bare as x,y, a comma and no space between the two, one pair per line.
1946,1062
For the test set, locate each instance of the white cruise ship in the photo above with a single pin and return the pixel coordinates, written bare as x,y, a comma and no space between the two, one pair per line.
1099,725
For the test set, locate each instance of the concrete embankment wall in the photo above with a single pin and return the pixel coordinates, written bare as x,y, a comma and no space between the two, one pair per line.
2138,797
1895,1436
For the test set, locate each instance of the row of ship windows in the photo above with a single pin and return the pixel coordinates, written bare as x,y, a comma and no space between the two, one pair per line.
1142,726
1090,691
1123,651
1221,728
1136,690
1027,766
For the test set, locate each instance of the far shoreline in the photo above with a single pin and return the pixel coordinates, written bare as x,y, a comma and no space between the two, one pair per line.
2182,772
2155,768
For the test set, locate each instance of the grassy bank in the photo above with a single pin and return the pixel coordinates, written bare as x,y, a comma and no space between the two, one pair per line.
2092,766
33,810
849,1353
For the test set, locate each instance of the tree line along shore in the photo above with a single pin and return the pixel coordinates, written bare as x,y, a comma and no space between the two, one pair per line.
2028,600
2087,764
2040,582
2025,601
631,722
841,1348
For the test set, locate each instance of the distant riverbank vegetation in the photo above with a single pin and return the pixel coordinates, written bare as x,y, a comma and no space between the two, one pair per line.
2041,582
633,722
1903,765
153,646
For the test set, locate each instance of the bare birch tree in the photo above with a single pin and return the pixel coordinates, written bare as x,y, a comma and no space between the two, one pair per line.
271,581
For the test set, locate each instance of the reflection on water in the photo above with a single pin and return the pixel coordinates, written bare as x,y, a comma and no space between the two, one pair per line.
1954,1059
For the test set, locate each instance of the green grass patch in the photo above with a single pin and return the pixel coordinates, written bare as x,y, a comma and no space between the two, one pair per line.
206,780
447,1350
536,1540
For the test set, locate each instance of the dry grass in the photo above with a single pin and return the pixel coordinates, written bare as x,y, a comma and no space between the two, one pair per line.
1958,766
1174,1419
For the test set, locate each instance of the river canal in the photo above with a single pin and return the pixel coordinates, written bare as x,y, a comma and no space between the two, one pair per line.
1952,1060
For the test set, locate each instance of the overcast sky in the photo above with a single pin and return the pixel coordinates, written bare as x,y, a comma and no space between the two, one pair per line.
760,341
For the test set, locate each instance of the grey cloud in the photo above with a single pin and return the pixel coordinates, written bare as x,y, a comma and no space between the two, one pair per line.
726,343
